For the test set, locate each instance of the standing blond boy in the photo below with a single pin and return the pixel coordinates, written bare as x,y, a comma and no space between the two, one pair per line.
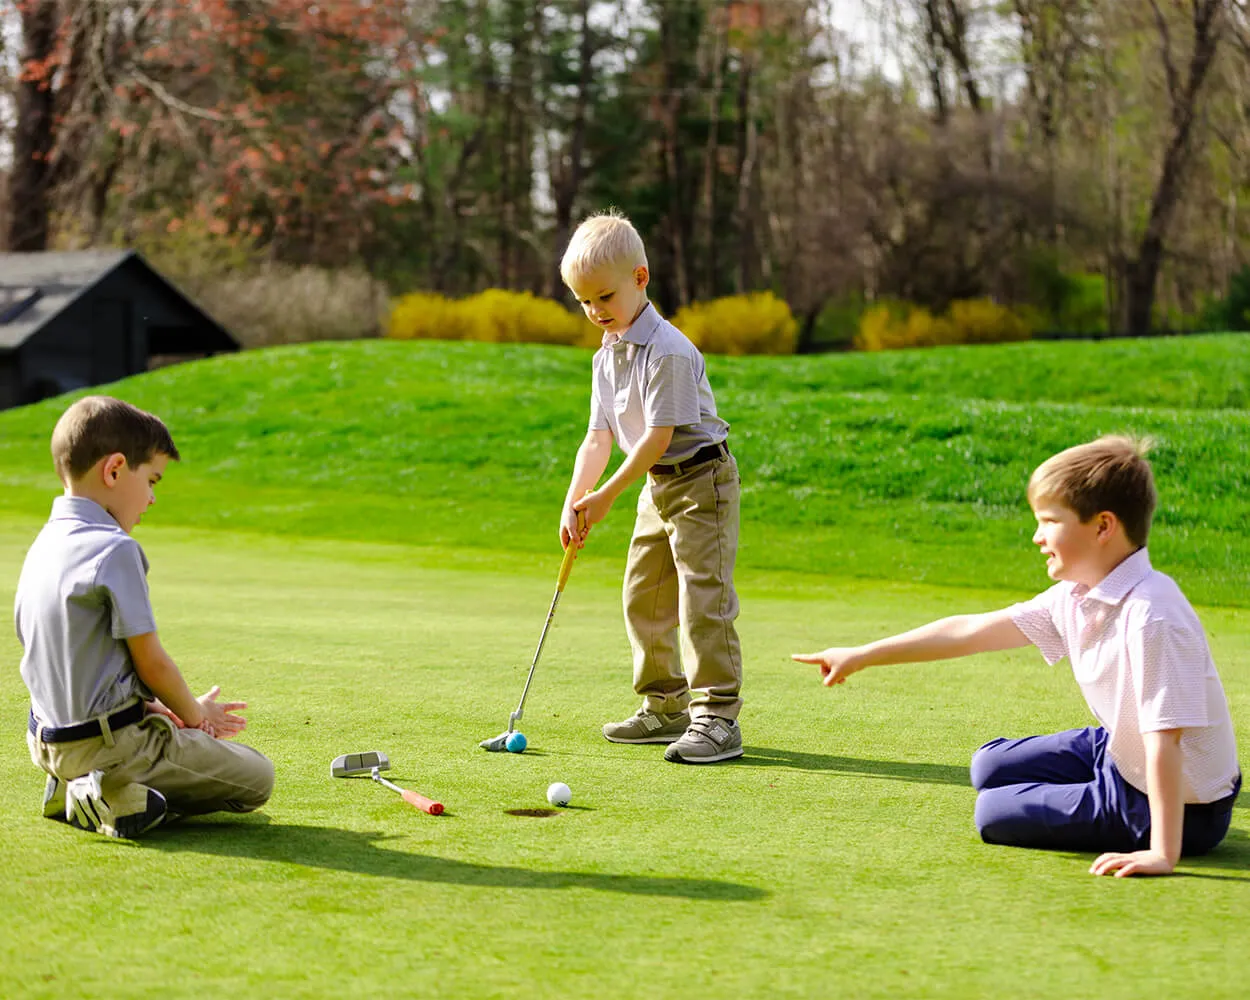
650,395
1157,777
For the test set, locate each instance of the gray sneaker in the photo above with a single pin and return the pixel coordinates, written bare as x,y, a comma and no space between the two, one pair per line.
647,727
54,798
87,809
709,739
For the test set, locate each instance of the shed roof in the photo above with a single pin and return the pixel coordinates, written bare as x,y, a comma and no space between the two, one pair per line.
36,287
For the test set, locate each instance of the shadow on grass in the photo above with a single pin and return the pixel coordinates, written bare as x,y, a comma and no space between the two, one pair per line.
1233,854
942,774
361,853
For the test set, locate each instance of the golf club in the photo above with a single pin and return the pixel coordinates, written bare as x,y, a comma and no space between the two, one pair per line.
412,798
500,742
353,765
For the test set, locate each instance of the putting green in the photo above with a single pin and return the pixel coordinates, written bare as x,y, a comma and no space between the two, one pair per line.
837,858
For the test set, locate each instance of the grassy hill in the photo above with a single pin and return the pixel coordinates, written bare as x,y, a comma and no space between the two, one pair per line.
904,465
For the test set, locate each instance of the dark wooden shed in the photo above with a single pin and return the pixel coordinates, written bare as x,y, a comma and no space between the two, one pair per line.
82,318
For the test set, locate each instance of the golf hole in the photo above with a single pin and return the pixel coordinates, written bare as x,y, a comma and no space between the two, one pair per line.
540,813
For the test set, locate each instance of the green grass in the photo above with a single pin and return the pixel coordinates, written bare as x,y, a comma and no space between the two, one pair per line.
838,858
472,445
360,542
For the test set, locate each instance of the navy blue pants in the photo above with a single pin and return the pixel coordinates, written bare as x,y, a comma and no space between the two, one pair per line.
1064,793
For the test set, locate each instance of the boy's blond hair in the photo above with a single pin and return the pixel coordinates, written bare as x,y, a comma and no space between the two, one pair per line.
98,426
604,239
1109,474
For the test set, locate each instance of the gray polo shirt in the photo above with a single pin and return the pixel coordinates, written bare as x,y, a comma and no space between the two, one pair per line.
83,591
653,376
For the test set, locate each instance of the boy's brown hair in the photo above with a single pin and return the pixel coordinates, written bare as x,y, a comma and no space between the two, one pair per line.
98,426
1109,474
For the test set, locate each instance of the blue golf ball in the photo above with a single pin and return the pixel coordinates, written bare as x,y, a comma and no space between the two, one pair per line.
516,742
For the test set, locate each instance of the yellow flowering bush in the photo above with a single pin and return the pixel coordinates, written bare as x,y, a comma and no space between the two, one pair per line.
980,321
759,323
495,315
890,325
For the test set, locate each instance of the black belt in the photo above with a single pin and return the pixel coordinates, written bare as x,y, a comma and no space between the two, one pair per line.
85,730
704,455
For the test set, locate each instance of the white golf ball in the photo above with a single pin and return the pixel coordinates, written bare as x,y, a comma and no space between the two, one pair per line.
559,794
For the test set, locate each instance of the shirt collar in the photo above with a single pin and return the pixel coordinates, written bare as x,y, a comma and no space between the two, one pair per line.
1119,583
67,508
639,331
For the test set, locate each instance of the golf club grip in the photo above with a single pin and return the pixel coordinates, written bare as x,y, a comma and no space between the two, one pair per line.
570,553
421,802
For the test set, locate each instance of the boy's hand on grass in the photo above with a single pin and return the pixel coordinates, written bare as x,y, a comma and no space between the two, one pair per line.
1135,863
218,718
836,664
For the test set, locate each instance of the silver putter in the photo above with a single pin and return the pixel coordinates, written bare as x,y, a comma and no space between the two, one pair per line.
354,765
349,765
500,742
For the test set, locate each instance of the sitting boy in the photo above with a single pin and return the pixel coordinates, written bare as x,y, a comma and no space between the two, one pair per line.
1157,777
118,760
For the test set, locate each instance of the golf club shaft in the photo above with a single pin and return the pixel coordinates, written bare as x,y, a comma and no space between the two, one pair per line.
412,798
537,653
566,567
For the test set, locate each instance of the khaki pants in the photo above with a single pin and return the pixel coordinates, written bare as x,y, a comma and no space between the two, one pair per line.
679,575
195,772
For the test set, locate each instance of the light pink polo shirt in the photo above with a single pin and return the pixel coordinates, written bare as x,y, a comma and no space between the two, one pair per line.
1141,658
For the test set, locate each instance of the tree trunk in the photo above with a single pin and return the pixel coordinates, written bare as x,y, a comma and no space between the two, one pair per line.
35,134
1142,272
568,180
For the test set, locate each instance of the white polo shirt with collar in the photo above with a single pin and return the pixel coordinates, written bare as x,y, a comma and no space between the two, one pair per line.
82,592
1140,656
653,376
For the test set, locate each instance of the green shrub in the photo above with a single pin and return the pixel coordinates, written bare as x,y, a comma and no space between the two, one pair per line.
837,323
1083,308
759,323
1070,302
1232,312
496,316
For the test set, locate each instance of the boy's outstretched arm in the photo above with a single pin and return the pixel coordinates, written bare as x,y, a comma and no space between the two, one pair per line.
945,639
162,677
592,459
1165,786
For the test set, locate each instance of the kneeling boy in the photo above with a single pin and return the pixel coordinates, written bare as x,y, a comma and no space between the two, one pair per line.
112,722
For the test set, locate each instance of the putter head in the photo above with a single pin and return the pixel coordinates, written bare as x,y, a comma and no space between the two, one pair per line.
350,764
496,744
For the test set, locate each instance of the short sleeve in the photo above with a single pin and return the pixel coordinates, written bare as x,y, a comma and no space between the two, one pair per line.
1036,619
598,418
670,397
1169,670
122,579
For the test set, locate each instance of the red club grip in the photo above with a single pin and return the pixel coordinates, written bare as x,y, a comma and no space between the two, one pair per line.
422,803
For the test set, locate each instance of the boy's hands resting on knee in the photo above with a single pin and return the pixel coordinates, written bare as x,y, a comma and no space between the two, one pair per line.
219,719
836,664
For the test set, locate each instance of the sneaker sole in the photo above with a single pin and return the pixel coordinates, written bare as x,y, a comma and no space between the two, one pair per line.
644,739
677,758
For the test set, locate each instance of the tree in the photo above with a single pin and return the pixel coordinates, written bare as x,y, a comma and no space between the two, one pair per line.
1184,88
